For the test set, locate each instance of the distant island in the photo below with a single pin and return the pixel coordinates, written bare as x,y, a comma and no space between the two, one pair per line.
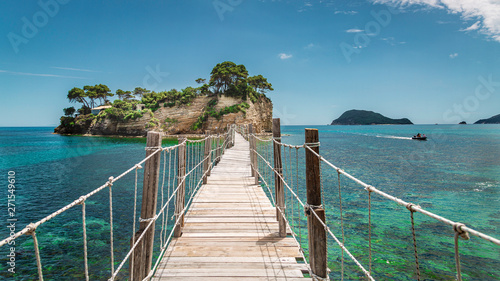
462,123
364,117
230,96
492,120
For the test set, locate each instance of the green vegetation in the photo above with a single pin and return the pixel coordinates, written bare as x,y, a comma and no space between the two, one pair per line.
69,111
226,79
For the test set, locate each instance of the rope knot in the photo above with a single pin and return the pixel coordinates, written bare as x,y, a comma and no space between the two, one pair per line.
409,206
147,220
31,229
110,181
312,144
308,208
369,188
457,227
318,278
138,166
152,148
82,200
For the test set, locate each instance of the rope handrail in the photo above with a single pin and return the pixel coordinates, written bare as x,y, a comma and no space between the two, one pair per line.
368,187
80,200
182,180
324,225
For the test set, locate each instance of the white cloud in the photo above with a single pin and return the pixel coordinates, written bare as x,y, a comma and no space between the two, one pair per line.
475,26
74,69
310,46
454,55
392,41
39,74
354,30
284,56
486,11
346,12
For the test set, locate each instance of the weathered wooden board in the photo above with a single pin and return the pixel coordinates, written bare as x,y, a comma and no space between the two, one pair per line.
231,231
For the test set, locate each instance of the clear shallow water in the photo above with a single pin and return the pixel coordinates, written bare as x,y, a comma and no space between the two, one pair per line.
456,173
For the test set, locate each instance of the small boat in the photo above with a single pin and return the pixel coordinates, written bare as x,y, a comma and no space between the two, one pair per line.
419,138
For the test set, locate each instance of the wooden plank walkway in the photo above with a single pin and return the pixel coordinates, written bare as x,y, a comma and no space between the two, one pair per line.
230,231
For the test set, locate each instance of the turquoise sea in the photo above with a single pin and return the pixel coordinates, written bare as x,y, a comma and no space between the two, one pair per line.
455,174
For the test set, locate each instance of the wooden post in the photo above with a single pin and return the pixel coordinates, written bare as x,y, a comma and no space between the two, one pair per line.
143,254
278,183
317,233
250,144
206,161
209,160
179,199
217,150
255,163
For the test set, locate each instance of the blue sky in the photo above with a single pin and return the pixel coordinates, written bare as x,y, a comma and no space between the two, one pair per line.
433,61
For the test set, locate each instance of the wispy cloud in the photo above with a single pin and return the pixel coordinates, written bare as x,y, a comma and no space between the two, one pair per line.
354,30
454,55
309,46
346,12
74,69
39,74
392,41
284,56
474,26
487,12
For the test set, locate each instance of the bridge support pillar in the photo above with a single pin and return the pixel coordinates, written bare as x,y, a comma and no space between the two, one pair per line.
143,253
278,175
206,156
317,233
180,196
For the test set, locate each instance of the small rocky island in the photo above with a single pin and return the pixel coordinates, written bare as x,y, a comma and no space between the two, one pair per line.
364,117
230,96
492,120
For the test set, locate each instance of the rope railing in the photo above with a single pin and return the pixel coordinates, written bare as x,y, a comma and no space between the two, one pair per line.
285,175
305,206
199,163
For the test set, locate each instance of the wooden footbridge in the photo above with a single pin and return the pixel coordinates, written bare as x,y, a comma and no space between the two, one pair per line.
232,206
230,231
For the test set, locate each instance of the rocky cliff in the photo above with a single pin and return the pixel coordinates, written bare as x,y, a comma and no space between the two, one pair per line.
179,119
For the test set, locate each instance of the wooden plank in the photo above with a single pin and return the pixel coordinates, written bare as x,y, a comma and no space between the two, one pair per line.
230,272
243,278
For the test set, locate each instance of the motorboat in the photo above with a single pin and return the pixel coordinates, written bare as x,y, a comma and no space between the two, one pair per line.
419,138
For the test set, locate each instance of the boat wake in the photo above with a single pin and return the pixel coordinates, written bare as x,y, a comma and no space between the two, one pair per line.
383,136
393,137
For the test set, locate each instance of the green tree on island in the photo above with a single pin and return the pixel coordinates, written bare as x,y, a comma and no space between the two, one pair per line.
89,94
69,111
124,95
140,92
225,74
260,84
